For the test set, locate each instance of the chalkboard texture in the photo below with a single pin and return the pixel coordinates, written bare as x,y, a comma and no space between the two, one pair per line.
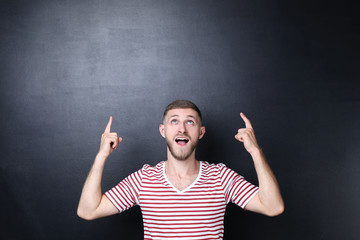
291,66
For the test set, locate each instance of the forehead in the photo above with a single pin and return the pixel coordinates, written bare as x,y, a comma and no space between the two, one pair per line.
182,112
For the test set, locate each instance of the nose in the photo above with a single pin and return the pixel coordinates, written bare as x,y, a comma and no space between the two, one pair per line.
182,128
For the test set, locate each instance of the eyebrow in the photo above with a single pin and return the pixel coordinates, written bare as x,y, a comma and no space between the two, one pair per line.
191,116
176,115
188,116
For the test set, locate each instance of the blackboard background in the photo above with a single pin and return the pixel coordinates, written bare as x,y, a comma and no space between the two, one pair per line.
291,66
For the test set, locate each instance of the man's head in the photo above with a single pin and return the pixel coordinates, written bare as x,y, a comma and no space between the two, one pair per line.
182,129
182,104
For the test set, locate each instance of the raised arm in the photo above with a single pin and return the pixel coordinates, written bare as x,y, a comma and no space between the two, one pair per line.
269,200
93,204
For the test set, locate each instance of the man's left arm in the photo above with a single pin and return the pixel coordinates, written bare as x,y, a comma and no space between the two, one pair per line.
268,201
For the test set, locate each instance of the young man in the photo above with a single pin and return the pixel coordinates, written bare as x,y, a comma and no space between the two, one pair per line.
182,197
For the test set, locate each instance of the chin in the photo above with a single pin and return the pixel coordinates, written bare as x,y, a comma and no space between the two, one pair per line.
181,157
181,154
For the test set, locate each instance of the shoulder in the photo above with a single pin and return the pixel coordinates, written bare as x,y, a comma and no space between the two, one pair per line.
151,170
213,168
220,169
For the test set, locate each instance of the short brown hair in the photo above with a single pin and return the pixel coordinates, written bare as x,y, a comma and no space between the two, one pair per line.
182,104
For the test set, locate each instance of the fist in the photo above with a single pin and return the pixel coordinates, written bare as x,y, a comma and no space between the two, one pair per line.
109,140
247,136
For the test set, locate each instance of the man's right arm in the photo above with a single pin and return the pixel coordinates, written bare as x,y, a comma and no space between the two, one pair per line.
93,204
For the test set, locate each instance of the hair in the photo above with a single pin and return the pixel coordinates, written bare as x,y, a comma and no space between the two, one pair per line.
182,104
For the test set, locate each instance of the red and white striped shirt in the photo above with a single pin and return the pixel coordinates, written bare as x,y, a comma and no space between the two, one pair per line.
197,212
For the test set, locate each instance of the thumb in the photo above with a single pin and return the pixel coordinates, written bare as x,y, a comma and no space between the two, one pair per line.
240,139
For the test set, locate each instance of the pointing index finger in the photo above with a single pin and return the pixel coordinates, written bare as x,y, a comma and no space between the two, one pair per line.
246,120
108,126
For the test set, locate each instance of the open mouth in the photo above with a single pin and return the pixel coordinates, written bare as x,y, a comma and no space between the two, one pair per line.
182,141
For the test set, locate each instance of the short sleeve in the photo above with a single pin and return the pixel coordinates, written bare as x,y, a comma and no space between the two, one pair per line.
237,190
126,194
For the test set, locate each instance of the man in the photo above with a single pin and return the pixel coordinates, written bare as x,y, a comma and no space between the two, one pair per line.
182,197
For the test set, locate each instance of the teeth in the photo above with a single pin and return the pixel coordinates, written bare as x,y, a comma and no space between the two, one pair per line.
182,139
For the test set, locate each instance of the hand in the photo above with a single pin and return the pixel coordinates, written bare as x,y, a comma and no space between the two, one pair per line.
247,136
109,140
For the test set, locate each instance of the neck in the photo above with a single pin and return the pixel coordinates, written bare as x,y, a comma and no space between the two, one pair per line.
182,168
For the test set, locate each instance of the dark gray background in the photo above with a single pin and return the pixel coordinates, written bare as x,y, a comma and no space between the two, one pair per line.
291,66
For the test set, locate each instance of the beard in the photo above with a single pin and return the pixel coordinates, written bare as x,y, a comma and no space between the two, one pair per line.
181,153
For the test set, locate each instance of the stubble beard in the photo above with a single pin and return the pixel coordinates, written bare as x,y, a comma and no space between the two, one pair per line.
182,153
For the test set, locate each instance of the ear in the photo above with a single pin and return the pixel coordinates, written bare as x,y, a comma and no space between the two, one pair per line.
202,132
162,130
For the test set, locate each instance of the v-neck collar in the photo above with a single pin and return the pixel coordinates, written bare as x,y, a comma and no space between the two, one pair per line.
190,186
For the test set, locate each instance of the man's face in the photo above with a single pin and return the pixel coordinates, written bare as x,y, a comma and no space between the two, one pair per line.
182,130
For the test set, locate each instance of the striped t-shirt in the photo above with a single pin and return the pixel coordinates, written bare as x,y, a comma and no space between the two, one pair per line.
196,212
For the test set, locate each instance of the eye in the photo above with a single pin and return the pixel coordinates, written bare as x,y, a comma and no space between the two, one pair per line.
174,121
190,122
